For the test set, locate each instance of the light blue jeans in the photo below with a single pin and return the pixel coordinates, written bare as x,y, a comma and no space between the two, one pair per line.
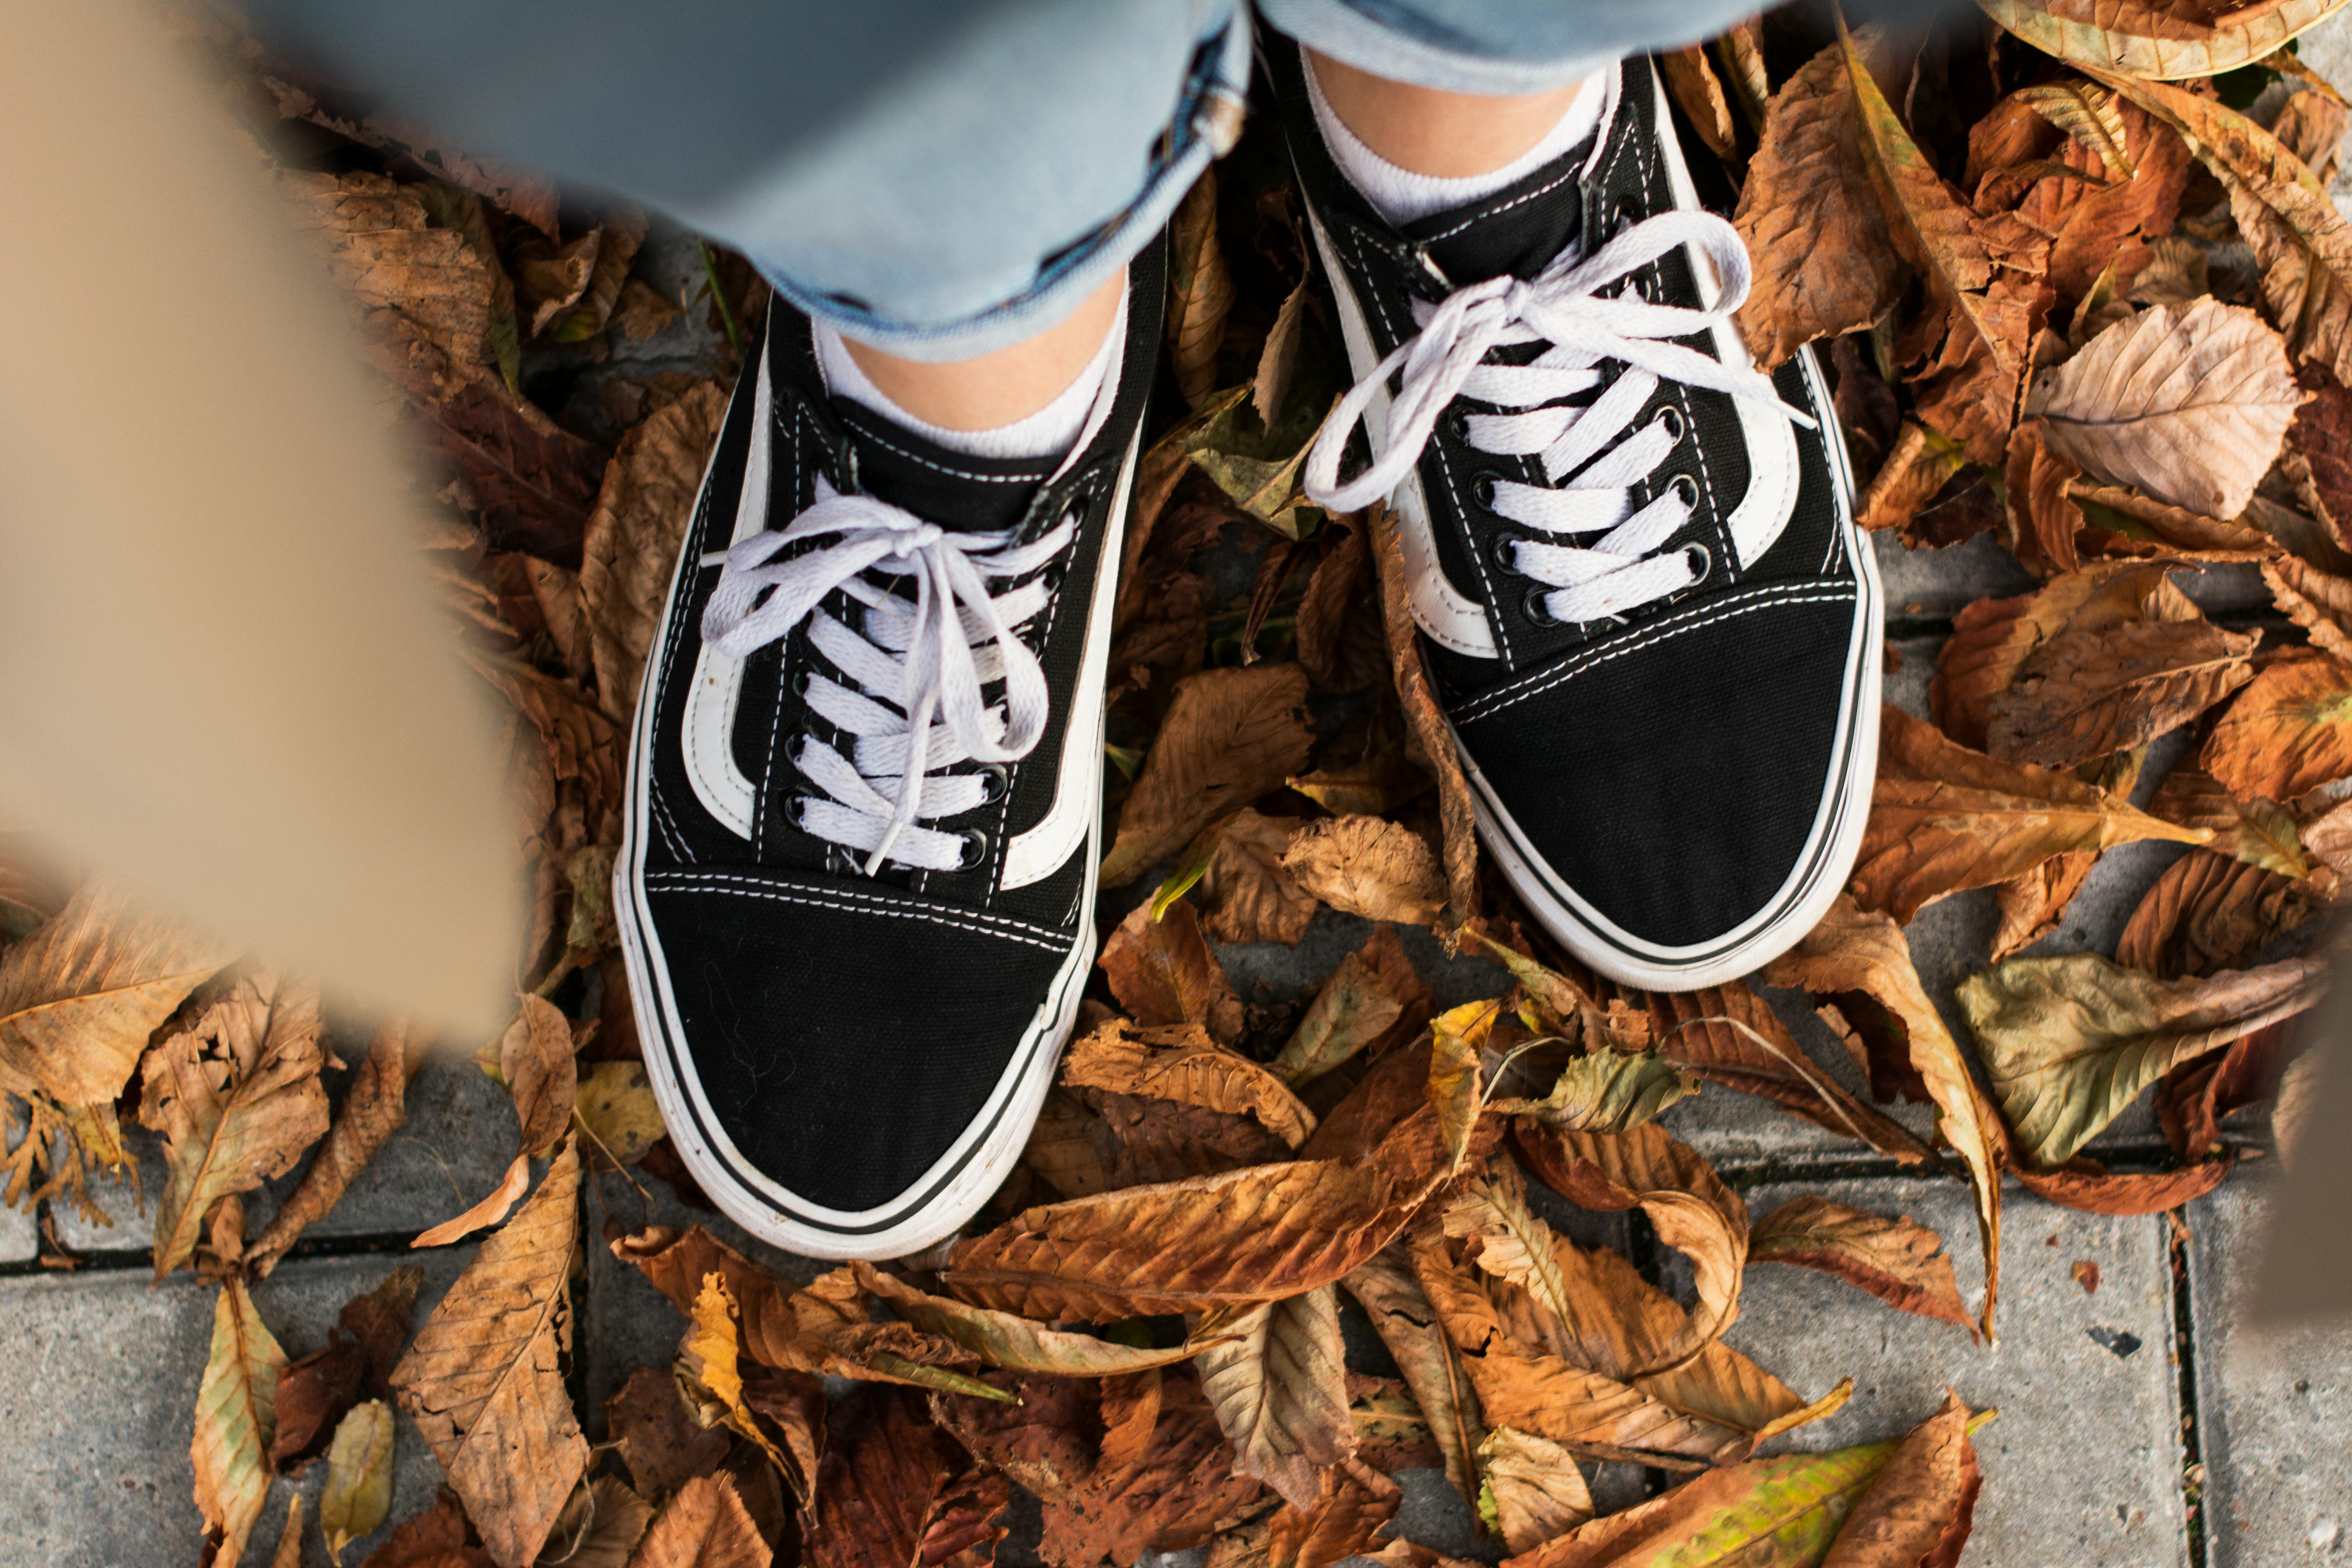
935,178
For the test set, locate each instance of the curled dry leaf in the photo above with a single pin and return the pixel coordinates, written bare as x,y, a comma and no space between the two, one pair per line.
1338,630
79,997
535,1058
1015,1344
1854,951
236,1421
1430,739
358,1493
705,1525
1231,735
2069,1042
488,1212
1943,818
2190,404
1199,290
1513,1244
1161,970
236,1097
1691,1209
2084,1183
2095,689
356,1362
632,536
1825,264
2287,733
1920,1509
2031,901
1992,638
710,1379
290,1537
1368,866
1245,894
2192,1101
2041,522
2153,40
2318,602
1900,1261
1606,1092
2210,912
484,1380
601,1521
1386,1287
663,1449
1533,1490
1372,999
1278,1386
1181,1063
1565,1008
373,1110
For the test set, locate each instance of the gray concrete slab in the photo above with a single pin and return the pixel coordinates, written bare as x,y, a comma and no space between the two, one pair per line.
1934,583
2274,1411
97,1402
2083,1470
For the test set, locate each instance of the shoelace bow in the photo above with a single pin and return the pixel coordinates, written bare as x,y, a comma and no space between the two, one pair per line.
1566,308
919,667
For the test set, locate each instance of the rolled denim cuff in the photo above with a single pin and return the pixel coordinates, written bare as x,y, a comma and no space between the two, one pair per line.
1402,48
1207,121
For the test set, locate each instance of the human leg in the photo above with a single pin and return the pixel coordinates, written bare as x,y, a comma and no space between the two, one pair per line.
1649,619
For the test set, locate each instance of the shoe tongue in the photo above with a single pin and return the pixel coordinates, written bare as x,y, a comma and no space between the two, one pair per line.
1518,230
962,494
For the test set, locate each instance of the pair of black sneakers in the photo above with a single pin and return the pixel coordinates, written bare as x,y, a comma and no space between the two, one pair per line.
856,890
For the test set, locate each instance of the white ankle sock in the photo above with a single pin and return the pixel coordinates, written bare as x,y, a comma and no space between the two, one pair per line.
1400,195
1048,433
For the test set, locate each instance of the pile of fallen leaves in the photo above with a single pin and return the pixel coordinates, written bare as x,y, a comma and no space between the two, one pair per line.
2081,288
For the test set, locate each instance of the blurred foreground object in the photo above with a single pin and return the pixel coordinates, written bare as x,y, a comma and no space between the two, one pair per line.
2306,1270
225,685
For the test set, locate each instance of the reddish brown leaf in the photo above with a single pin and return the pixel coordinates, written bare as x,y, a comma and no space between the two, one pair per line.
434,1539
1231,735
1181,1063
2192,1100
1366,866
1430,739
1339,625
1245,894
2209,912
373,1110
356,1362
661,1445
1897,1261
2288,734
2084,1183
1162,972
705,1525
897,1493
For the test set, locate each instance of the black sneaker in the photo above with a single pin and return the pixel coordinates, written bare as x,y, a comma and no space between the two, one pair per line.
1642,599
852,1001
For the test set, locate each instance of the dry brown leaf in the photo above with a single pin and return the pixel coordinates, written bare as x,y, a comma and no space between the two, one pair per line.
1371,1000
1368,866
2287,733
1825,263
2210,912
2190,404
1605,1090
1015,1344
618,1115
1352,1504
897,1493
2301,245
633,537
1512,1243
535,1058
1691,1209
374,1108
2041,522
1177,1493
358,1492
2192,1101
1595,1416
2259,832
79,997
236,1421
1231,735
1279,1391
1899,1261
1992,638
619,238
1919,1512
1246,895
435,1538
1239,1237
2031,902
290,1537
1183,1063
1694,83
662,1447
2123,524
704,1526
1386,1287
2084,694
1853,951
1943,818
1199,290
1430,738
484,1380
2154,41
1533,1491
2318,602
2069,1042
488,1212
1339,627
314,1392
2084,1183
1279,355
1162,972
236,1097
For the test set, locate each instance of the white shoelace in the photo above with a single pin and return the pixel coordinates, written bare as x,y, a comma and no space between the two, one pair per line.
1565,306
920,666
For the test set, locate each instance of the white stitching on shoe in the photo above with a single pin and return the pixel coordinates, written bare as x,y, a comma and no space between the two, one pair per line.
1506,206
713,881
1690,620
1028,478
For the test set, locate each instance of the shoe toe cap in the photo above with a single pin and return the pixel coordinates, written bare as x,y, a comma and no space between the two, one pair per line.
1675,776
845,1043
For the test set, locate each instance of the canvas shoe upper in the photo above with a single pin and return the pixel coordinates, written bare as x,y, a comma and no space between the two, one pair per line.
1650,619
852,992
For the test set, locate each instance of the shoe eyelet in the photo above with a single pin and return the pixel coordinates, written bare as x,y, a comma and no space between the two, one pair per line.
1538,611
795,805
1457,427
801,678
1506,548
1685,490
1703,565
975,850
996,777
1482,486
1672,417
